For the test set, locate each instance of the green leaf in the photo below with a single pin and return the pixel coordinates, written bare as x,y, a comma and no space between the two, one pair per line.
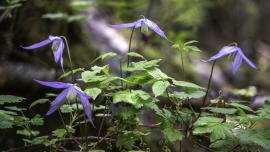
66,108
186,84
27,133
53,16
160,87
214,126
203,121
104,56
10,99
134,54
244,107
71,73
194,94
226,111
173,134
190,42
39,101
7,119
260,137
14,108
43,140
135,97
143,65
192,49
59,133
93,92
157,74
37,120
175,46
96,150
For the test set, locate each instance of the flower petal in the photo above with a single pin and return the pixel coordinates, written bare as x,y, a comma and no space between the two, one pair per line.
38,45
86,106
223,52
246,59
58,53
236,63
58,101
135,24
58,85
155,28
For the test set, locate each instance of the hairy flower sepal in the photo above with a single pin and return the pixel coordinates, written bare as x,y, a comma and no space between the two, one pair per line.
144,24
57,48
239,56
71,91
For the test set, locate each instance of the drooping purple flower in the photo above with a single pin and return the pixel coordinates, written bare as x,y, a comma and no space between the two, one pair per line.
57,48
239,56
70,91
143,23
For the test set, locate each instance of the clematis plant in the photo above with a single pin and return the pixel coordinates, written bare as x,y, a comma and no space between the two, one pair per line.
239,56
70,91
57,48
143,23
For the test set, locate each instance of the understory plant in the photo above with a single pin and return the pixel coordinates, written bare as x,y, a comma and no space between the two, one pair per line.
139,109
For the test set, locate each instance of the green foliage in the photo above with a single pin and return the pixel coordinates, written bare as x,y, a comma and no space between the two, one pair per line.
173,134
214,126
160,87
254,137
93,92
10,99
226,111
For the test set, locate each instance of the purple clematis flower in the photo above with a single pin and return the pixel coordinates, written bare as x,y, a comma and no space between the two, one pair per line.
57,47
226,50
70,91
143,23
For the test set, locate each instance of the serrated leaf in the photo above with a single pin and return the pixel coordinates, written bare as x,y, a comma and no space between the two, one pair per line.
134,54
143,65
157,74
203,121
173,134
39,101
10,99
37,120
260,137
225,111
244,107
93,92
66,108
160,87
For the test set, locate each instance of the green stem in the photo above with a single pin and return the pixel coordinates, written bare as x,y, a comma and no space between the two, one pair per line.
183,66
69,57
65,126
209,84
129,49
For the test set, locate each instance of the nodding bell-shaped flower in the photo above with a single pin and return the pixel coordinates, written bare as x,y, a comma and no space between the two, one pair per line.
144,24
239,56
57,48
70,91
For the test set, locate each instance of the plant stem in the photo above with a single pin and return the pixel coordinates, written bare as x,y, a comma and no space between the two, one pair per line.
129,49
69,57
65,126
183,66
209,84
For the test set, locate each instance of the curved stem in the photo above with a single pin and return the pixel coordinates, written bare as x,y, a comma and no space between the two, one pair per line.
209,84
69,57
129,49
